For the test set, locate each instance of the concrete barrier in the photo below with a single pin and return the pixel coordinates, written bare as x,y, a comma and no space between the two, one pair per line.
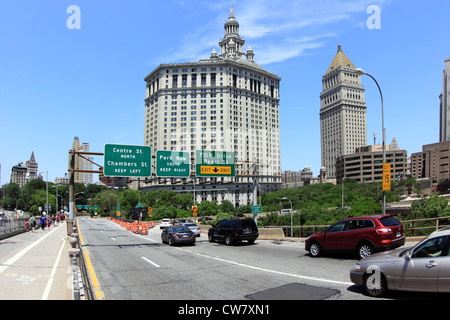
270,233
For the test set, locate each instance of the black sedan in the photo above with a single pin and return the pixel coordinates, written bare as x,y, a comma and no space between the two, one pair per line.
177,235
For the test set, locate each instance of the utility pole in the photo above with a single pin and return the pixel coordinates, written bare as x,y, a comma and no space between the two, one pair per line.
255,186
71,220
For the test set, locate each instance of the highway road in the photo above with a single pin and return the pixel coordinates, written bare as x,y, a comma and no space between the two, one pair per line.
131,266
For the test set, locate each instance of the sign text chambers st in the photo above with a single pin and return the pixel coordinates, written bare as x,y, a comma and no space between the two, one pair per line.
127,161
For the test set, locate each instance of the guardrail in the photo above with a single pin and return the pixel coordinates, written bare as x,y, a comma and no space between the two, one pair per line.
423,226
11,226
419,227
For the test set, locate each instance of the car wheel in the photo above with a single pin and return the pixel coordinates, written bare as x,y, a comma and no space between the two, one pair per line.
364,250
374,287
315,249
251,241
228,240
170,241
210,237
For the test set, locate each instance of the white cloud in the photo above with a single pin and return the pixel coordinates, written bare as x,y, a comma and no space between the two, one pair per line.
277,30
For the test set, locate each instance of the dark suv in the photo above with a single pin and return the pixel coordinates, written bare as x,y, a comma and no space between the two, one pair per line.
231,230
365,235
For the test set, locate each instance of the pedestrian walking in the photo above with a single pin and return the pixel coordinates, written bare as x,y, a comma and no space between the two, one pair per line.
43,222
32,222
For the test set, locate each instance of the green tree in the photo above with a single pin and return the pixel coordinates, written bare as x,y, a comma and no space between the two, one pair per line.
227,206
206,208
11,195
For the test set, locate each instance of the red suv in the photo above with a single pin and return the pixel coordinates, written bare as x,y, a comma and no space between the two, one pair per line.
365,235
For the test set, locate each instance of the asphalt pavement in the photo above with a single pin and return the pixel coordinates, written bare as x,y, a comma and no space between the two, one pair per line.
36,265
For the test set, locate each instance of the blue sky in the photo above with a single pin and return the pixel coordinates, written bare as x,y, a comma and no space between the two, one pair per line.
57,83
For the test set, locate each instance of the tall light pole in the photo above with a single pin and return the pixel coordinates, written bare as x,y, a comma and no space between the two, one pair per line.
46,191
361,72
292,226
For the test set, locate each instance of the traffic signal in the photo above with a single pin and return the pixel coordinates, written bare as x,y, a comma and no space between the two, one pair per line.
139,213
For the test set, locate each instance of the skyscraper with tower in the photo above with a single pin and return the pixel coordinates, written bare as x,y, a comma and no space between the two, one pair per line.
225,103
343,123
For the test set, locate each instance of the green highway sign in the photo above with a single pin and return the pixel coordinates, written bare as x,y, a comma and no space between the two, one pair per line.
214,163
256,209
173,164
127,161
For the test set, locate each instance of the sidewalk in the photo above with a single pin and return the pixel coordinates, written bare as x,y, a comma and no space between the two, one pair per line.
36,265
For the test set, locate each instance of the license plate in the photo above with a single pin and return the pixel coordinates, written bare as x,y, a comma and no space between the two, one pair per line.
398,234
247,231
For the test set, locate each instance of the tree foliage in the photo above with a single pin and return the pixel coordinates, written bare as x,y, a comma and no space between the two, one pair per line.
319,204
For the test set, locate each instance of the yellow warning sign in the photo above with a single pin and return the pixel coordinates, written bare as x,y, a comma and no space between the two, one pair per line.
386,176
215,170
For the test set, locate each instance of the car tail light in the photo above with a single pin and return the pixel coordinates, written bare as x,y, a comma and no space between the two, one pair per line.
384,231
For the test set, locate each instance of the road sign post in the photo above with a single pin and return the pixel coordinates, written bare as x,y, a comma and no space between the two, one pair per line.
127,161
173,164
214,163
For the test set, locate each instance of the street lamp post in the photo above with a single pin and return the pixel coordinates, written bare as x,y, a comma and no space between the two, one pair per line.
292,226
361,72
46,191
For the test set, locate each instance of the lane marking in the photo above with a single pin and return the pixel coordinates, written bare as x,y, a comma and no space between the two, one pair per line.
273,271
91,274
151,262
259,268
21,253
52,274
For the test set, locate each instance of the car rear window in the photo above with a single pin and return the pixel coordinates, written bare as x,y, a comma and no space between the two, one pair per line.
181,229
389,221
247,223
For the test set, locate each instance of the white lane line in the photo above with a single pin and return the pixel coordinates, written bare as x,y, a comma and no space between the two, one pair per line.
276,272
151,262
20,254
260,269
52,275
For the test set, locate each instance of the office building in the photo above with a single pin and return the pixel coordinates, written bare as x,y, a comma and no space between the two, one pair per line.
366,164
32,169
225,103
343,124
81,163
18,174
295,179
433,163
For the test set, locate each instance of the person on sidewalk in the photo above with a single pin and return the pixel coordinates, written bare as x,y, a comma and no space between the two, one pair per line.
43,222
32,222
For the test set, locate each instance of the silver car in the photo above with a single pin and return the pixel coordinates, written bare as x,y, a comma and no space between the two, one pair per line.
424,267
194,228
